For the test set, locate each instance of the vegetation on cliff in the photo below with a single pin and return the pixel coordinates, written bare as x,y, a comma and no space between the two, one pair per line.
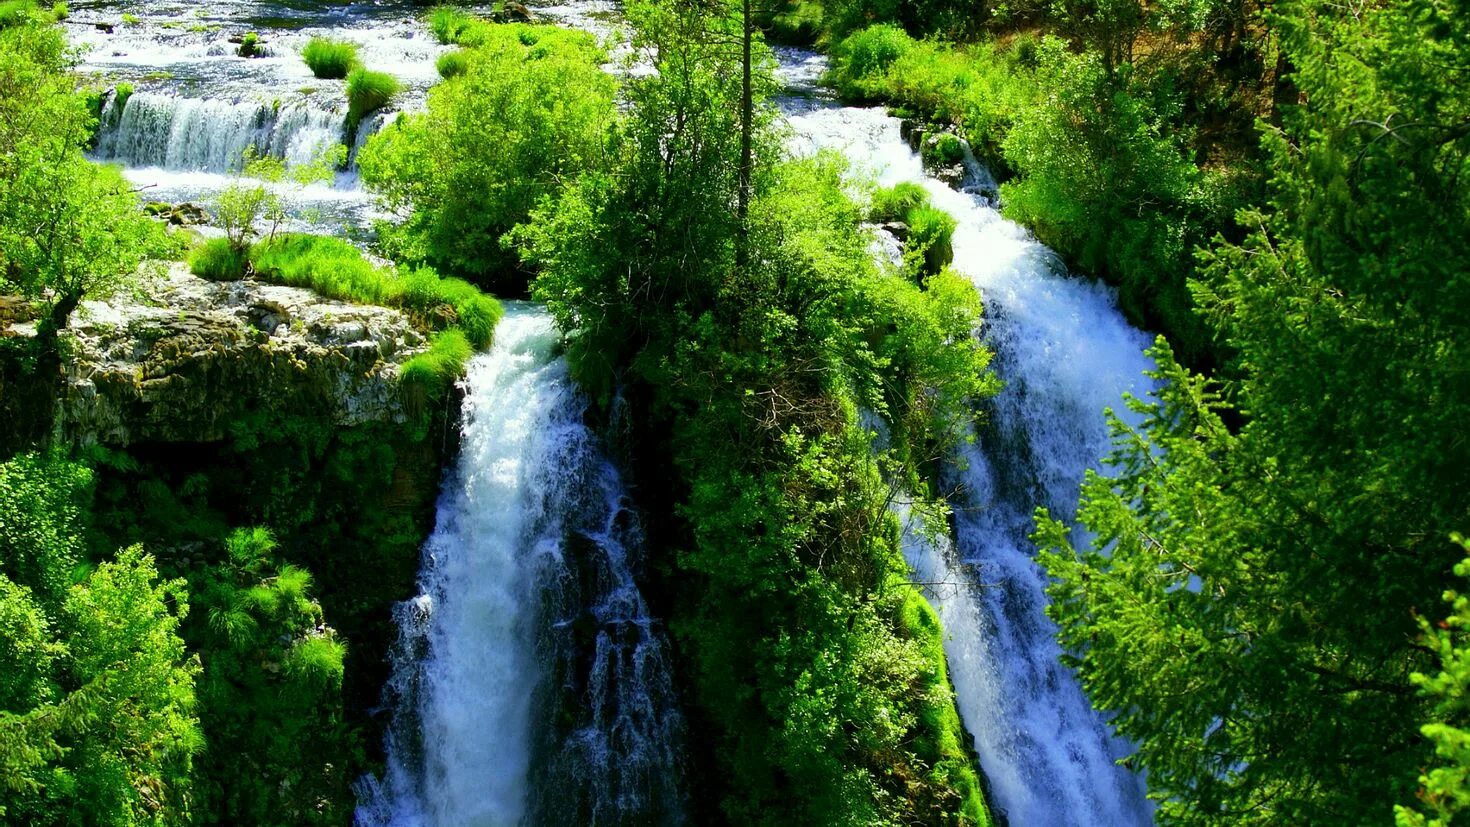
816,677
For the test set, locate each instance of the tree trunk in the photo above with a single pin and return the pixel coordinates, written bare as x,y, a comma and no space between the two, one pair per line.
747,161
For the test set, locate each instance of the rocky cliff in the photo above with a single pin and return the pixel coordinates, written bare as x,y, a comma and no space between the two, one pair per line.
183,359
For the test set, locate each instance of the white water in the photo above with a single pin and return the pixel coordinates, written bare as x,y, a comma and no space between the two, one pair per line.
1066,354
530,683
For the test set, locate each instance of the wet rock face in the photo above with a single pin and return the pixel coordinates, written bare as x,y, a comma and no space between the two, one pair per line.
187,357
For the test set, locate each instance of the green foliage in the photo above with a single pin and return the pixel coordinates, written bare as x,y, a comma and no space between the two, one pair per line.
894,203
42,524
1105,182
271,693
1249,614
219,260
330,59
338,270
1444,790
249,45
980,88
368,91
929,248
945,148
529,113
449,24
115,747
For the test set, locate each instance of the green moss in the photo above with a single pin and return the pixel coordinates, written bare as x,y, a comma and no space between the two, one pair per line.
940,734
218,260
249,45
330,59
944,149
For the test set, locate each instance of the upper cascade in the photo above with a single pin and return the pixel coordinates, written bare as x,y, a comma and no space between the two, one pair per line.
151,129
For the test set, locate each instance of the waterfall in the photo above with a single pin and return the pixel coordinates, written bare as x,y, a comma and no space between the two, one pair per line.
194,134
530,683
1065,353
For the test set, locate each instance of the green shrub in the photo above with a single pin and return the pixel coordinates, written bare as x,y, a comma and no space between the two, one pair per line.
330,59
894,203
930,243
437,368
120,95
219,260
531,112
863,59
368,91
452,64
249,45
60,12
16,12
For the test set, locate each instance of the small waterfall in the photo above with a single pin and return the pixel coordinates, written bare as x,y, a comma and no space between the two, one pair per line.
193,134
1066,354
530,683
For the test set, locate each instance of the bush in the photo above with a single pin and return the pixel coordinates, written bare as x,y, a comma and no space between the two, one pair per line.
944,149
531,111
453,64
861,61
330,59
219,260
448,24
367,92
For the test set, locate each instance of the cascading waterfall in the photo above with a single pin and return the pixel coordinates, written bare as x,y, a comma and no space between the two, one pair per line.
1066,354
530,683
193,134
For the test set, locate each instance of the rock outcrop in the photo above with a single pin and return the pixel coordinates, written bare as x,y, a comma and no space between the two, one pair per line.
186,358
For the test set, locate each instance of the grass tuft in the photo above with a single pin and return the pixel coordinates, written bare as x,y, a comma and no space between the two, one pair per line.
330,59
217,260
368,91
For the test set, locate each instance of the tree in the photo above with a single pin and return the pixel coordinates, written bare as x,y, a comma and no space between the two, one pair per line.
69,229
1444,790
1247,613
109,737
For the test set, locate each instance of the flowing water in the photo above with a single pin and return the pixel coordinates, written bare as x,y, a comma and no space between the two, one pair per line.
197,105
1066,354
530,683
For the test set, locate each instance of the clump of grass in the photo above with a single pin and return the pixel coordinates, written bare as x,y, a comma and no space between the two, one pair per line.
367,92
330,59
436,369
894,203
130,19
453,64
449,24
338,270
218,260
120,95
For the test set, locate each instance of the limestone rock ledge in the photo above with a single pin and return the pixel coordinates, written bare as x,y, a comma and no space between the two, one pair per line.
185,358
